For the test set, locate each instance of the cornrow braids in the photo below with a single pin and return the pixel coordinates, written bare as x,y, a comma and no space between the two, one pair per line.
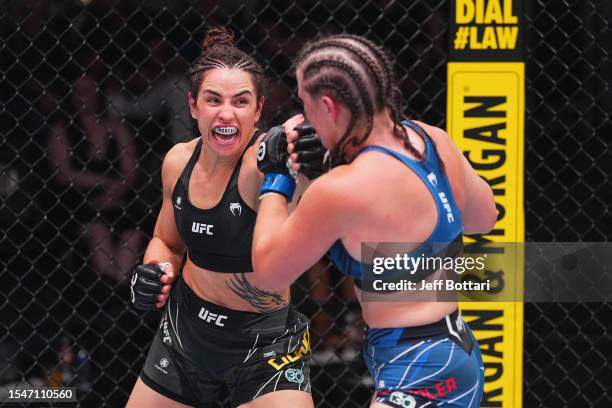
393,95
374,60
394,101
381,55
368,62
351,102
219,51
392,91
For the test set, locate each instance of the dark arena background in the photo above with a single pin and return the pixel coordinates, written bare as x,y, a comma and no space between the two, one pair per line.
65,318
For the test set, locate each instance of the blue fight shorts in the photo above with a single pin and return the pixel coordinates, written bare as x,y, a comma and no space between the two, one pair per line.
434,365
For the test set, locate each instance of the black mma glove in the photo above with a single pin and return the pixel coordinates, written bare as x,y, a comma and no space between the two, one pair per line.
146,285
272,152
272,159
310,151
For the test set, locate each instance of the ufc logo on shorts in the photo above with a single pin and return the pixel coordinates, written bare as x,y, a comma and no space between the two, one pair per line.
210,317
200,228
166,338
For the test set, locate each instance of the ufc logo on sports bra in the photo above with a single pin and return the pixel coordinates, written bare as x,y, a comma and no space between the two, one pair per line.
200,228
449,212
210,317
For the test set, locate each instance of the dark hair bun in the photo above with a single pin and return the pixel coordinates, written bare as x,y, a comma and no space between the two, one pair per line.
218,36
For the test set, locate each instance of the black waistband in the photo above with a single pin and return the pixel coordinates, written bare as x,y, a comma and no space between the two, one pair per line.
441,327
449,324
213,316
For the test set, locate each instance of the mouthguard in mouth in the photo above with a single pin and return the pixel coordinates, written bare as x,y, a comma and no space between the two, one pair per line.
226,131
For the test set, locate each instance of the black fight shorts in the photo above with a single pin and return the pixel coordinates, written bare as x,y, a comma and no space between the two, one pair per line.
200,347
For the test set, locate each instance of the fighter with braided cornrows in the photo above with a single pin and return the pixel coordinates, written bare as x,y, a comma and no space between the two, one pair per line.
392,180
392,92
218,327
381,90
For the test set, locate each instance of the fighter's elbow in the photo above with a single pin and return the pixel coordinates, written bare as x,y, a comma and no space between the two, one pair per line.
481,220
489,212
264,279
489,219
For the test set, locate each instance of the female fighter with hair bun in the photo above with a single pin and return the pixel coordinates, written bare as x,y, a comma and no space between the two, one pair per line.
394,180
218,327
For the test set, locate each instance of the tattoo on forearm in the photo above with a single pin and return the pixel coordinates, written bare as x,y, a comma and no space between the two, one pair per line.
261,300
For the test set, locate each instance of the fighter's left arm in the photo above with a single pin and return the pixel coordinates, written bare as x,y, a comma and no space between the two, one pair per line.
284,245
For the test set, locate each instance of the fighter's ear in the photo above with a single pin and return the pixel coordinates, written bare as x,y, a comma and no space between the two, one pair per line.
331,106
192,105
260,104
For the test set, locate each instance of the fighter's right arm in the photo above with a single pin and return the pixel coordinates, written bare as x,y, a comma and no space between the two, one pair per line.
479,214
166,244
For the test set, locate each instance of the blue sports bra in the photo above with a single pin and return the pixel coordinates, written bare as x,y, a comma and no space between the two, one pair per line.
449,227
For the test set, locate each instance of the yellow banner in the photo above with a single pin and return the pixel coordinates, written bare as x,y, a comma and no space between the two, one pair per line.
486,105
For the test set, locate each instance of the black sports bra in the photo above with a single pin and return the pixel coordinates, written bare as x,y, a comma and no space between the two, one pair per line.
219,238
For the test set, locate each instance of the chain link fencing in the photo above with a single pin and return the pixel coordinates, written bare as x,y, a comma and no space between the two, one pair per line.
567,193
64,313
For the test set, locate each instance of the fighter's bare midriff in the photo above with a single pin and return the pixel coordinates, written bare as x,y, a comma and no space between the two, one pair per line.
233,290
389,314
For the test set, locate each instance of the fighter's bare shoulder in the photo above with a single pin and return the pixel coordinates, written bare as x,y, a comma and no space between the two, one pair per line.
175,161
434,132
